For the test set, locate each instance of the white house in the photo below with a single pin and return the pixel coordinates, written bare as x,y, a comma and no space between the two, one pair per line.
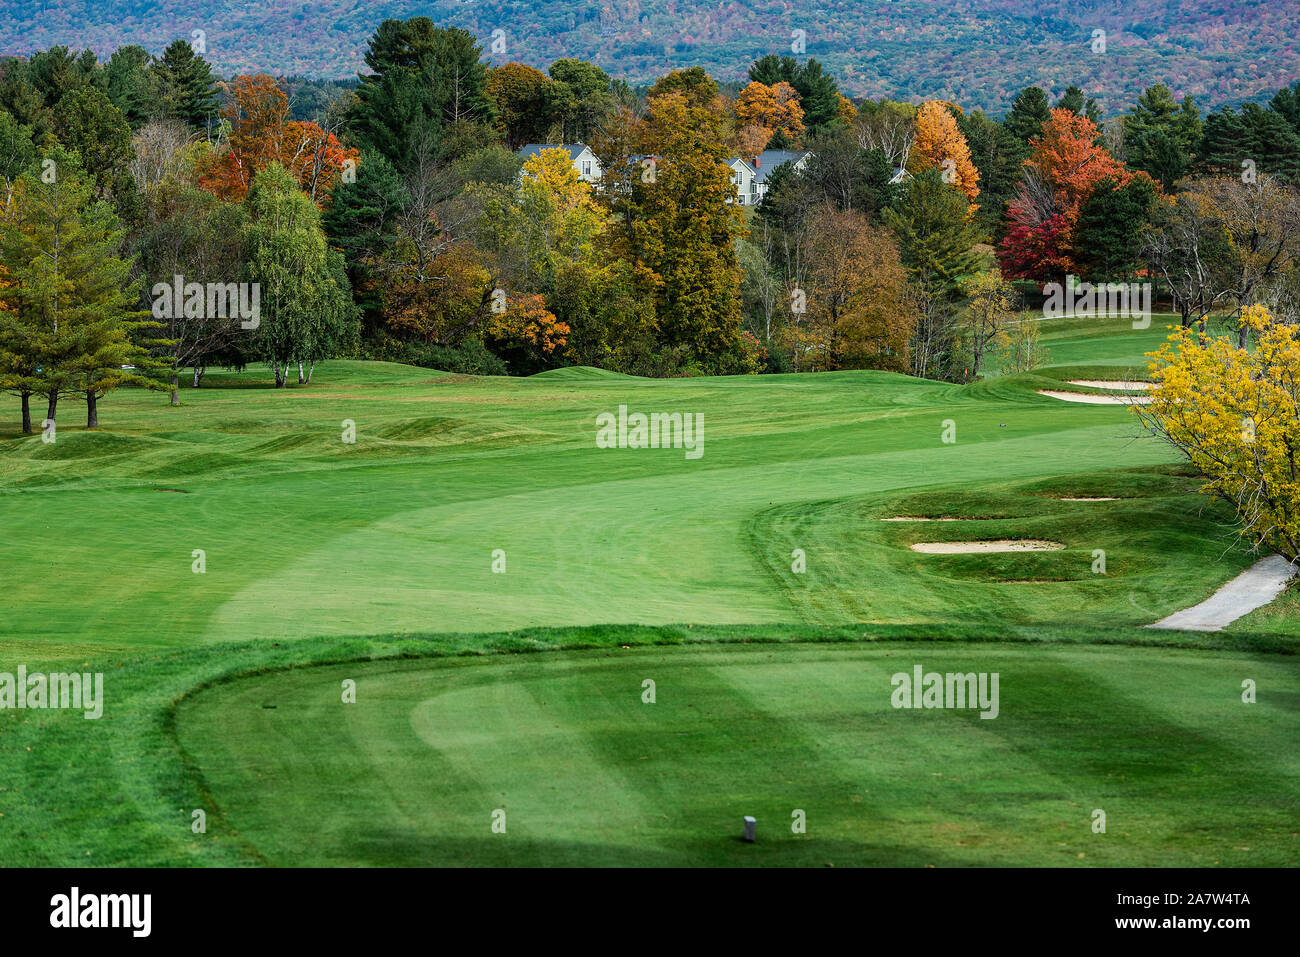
749,179
744,178
584,160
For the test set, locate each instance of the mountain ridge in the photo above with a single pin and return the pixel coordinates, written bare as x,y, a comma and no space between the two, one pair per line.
977,53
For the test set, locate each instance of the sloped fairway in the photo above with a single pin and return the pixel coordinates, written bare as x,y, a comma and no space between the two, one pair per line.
582,372
303,533
1186,773
245,532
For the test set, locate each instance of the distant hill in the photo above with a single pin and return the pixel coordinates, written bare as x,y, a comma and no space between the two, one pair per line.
978,52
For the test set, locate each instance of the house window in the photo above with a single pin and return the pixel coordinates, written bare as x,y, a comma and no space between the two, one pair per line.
586,168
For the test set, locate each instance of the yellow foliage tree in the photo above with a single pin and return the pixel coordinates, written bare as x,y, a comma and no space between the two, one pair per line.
941,145
558,217
1235,414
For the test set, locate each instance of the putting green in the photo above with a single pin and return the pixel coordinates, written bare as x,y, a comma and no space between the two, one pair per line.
587,773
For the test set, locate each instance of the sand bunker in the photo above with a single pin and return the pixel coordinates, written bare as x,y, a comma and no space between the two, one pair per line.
1097,399
1129,384
1001,545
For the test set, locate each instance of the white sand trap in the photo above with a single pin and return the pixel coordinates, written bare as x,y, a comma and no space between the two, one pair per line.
917,518
1001,545
1255,587
1103,499
1097,399
1129,384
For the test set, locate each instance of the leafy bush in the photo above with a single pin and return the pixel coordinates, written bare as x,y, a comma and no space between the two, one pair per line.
469,358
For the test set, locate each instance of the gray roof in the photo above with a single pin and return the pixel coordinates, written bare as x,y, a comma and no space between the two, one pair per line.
573,149
769,160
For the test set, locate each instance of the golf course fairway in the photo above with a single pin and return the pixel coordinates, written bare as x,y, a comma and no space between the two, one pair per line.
228,563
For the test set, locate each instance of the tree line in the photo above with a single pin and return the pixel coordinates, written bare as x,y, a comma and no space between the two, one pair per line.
395,219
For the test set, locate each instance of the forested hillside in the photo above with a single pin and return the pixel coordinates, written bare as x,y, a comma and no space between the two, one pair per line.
977,52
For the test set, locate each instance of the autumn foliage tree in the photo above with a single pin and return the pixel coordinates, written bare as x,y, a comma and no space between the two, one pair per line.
526,333
1232,412
526,101
1068,158
261,133
939,144
680,222
764,111
858,314
439,301
1065,169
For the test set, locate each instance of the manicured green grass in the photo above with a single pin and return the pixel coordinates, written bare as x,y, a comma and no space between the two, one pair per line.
305,535
318,552
588,773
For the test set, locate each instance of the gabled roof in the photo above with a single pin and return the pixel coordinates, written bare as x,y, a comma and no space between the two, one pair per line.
769,160
732,161
573,149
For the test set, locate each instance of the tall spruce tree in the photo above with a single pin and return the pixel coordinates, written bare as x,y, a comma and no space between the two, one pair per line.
1074,100
131,86
1256,140
362,221
1029,112
935,234
1160,134
186,86
424,84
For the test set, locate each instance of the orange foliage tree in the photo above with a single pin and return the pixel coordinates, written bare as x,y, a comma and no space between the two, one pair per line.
1066,156
941,145
526,333
771,109
261,133
1066,166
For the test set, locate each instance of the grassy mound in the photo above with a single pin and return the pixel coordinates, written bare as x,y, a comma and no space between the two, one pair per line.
581,372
